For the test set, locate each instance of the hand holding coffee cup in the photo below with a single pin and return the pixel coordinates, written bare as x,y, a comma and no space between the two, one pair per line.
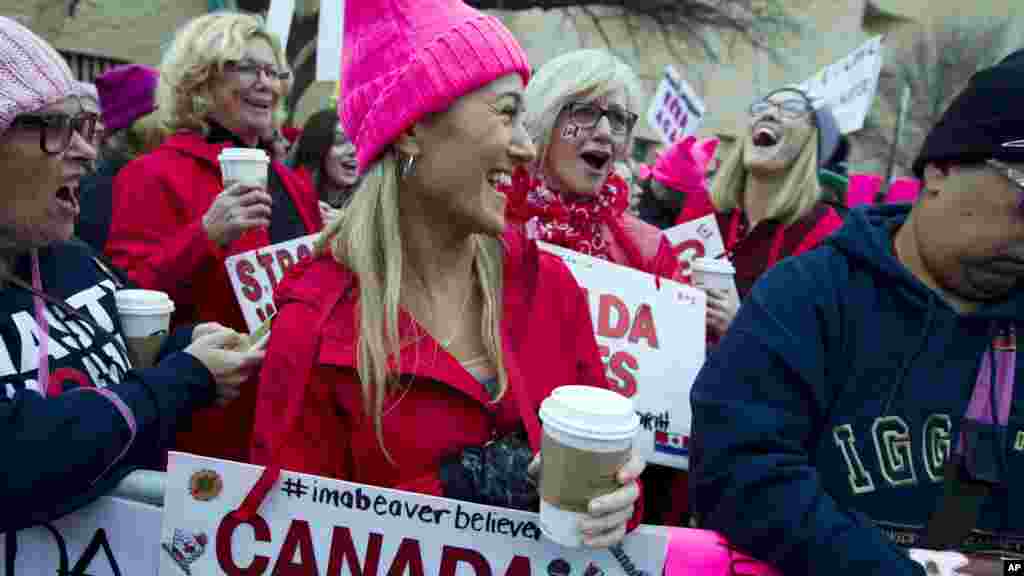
588,469
223,354
245,203
716,276
145,321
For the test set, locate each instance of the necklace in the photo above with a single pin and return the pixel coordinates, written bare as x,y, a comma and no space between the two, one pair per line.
447,342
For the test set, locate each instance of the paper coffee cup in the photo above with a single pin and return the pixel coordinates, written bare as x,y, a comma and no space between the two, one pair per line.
588,437
717,273
246,165
145,320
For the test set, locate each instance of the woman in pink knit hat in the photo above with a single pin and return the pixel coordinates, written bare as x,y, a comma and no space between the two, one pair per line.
75,418
424,337
581,110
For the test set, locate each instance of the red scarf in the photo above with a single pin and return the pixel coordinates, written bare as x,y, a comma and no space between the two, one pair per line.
576,225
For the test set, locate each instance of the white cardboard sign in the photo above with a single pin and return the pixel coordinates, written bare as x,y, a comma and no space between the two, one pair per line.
698,238
848,86
676,111
314,525
279,19
110,537
652,342
254,276
329,40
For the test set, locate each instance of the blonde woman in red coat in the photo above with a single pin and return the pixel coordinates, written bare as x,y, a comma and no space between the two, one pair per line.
425,329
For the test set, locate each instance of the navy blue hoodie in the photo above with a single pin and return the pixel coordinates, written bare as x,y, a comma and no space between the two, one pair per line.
59,453
822,420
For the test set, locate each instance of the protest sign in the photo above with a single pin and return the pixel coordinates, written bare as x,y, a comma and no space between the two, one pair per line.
254,276
329,41
698,238
652,342
848,86
676,111
279,19
314,525
110,537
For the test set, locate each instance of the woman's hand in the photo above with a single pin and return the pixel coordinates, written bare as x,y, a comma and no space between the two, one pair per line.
224,355
609,514
328,213
721,311
205,329
237,209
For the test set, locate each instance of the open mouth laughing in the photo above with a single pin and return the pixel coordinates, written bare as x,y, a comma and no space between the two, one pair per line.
766,137
68,199
596,159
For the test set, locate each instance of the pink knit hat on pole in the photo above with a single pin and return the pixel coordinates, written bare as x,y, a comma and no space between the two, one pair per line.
32,74
404,59
684,166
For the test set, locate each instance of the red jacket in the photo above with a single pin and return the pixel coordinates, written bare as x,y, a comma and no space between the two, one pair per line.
309,413
157,238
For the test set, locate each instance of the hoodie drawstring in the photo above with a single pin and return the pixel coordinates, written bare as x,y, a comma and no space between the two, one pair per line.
909,363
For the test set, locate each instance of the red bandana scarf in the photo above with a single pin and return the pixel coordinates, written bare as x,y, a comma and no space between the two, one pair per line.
571,224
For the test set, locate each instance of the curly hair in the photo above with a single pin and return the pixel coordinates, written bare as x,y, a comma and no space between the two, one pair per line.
195,60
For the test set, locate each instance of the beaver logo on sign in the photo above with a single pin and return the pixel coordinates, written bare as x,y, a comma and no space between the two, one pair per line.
205,485
185,548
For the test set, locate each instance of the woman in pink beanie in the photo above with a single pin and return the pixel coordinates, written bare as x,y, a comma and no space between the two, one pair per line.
581,110
426,334
75,418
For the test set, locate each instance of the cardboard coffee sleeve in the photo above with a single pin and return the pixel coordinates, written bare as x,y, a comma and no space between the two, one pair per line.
573,477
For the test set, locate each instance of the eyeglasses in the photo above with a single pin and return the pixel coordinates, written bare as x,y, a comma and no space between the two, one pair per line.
1016,177
587,115
56,130
249,72
791,109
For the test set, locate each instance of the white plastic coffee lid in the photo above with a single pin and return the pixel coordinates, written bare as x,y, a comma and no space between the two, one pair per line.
590,412
714,265
250,154
143,302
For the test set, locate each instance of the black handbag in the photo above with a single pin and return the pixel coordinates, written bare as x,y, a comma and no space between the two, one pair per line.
493,474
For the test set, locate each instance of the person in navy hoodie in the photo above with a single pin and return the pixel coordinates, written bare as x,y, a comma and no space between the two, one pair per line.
75,417
876,401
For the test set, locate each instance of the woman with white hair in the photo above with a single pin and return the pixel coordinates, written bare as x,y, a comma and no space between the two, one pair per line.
580,113
175,222
416,349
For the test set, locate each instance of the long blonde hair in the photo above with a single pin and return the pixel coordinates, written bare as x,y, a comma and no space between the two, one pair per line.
367,239
799,193
196,59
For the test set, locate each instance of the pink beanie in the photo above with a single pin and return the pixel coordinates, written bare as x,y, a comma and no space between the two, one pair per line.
404,59
127,93
32,74
684,165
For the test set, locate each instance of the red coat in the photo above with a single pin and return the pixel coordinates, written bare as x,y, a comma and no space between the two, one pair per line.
309,413
157,238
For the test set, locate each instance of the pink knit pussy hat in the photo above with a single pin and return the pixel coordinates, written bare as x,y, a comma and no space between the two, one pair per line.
684,165
404,59
32,74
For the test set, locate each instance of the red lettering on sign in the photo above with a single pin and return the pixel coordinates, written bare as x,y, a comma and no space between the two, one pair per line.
285,260
226,560
298,538
519,566
408,558
265,312
619,365
643,327
250,287
609,303
343,551
266,261
451,556
685,252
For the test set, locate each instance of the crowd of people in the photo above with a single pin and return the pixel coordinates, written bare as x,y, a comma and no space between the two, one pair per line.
860,392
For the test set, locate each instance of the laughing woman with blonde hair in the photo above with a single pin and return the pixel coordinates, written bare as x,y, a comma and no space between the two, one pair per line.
425,335
175,222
